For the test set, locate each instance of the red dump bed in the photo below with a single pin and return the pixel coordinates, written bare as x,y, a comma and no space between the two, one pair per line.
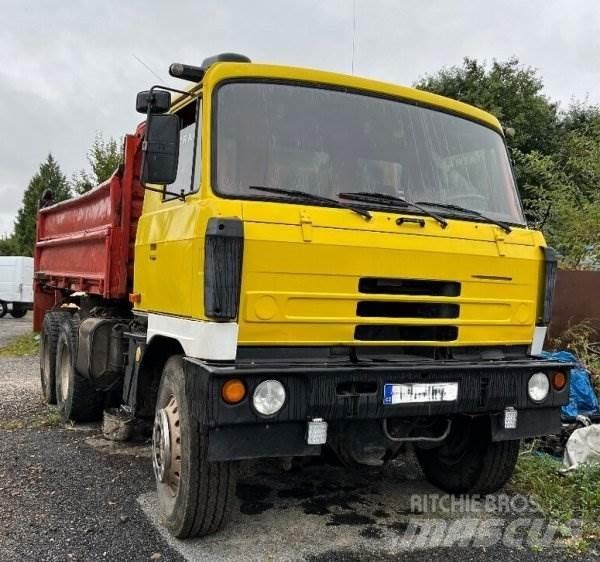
86,243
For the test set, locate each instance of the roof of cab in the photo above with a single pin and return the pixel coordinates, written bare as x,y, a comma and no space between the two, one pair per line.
220,71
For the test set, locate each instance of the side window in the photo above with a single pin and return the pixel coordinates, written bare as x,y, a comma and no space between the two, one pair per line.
189,165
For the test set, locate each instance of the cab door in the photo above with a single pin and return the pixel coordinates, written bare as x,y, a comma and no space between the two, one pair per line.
164,263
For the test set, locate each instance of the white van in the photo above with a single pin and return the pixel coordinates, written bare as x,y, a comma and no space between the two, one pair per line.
16,285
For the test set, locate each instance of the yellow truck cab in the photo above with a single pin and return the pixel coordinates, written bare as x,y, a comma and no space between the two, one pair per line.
326,261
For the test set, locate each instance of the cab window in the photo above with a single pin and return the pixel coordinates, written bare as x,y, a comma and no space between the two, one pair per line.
188,168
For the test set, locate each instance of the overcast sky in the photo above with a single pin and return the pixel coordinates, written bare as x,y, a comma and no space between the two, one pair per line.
70,68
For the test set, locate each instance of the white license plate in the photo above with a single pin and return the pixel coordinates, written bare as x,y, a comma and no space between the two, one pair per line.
414,393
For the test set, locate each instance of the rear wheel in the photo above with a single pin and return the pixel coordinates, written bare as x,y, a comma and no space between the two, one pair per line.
76,397
18,310
469,462
195,495
48,342
3,309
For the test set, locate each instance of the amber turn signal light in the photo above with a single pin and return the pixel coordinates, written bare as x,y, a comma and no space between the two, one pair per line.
233,391
559,380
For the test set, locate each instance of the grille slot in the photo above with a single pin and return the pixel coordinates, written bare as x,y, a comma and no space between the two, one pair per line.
372,309
388,286
378,332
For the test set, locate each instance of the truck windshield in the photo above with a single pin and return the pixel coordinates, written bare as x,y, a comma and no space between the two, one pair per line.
327,141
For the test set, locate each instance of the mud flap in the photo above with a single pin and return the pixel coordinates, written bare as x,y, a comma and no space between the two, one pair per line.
531,423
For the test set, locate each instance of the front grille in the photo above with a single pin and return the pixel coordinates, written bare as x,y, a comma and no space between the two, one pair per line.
405,308
372,309
386,332
387,286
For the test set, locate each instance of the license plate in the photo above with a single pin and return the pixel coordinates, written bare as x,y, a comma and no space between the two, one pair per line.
414,393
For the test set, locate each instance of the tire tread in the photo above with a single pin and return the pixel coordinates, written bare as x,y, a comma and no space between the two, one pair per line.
211,484
484,469
51,327
85,403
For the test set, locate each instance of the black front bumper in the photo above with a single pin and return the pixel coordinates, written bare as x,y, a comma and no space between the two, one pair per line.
345,391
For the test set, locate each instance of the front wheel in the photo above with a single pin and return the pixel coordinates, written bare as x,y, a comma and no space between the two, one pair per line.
195,495
3,309
469,462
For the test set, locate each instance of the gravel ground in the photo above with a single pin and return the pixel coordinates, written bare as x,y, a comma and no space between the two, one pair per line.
66,494
21,397
11,327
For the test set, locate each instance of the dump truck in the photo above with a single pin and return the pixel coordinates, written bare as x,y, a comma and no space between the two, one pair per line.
16,285
291,262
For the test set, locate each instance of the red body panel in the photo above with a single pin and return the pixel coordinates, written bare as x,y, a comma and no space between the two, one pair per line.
86,243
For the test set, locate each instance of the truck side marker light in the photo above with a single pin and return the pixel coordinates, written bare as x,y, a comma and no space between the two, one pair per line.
511,418
135,298
233,391
316,433
559,380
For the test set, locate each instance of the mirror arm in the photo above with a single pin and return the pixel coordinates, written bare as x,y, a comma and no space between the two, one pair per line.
180,195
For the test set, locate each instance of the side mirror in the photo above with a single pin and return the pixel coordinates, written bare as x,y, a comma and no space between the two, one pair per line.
159,101
161,149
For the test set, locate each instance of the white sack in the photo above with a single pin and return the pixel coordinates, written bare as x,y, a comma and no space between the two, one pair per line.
583,447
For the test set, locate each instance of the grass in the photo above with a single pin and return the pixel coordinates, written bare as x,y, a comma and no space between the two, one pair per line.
27,344
562,497
51,418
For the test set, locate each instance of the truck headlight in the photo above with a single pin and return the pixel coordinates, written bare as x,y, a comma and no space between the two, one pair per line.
538,387
268,397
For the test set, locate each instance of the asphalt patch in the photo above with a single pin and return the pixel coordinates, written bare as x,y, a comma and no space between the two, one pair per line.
252,492
372,533
296,493
350,519
400,527
255,508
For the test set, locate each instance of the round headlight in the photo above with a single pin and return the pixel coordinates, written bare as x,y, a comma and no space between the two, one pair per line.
538,387
268,397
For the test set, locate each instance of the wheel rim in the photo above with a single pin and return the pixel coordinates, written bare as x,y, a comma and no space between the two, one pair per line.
166,446
65,372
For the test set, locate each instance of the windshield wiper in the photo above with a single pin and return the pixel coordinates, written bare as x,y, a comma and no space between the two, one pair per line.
390,201
312,197
452,207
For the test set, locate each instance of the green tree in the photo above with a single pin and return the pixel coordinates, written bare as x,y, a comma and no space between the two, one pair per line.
104,158
561,188
49,176
8,246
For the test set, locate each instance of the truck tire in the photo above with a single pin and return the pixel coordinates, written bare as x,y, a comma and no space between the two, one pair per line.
48,341
3,309
469,462
18,310
195,495
77,399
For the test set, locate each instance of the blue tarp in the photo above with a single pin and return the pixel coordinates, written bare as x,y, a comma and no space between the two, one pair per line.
582,398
